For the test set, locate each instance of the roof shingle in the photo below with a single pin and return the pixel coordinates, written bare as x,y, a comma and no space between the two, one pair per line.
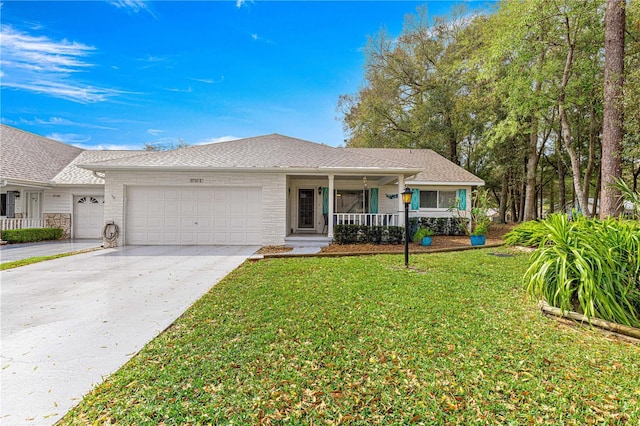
434,167
266,152
25,156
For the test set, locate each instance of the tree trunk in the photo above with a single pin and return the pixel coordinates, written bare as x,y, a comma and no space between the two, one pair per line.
529,212
562,185
566,128
453,144
504,198
586,183
612,128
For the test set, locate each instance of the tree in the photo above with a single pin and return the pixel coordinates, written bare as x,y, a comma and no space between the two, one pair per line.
165,146
612,129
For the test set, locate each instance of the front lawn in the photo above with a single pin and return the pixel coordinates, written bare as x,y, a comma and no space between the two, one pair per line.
365,341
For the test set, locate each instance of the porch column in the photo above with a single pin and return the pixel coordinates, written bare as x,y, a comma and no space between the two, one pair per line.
330,212
400,203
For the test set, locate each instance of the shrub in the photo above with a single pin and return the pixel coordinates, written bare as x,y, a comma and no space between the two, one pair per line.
439,225
589,266
30,235
421,233
362,234
527,234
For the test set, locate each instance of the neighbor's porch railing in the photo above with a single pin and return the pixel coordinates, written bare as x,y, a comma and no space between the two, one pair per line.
21,223
368,219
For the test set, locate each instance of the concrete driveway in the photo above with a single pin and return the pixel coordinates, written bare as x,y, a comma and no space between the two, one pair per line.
11,252
70,322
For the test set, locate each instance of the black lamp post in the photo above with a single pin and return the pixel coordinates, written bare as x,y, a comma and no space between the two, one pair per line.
406,199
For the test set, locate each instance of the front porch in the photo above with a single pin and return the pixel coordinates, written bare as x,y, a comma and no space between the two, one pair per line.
317,203
322,239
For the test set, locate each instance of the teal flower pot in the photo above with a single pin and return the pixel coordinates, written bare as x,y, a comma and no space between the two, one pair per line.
478,240
426,241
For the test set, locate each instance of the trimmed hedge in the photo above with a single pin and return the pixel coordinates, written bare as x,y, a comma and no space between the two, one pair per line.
439,225
30,235
363,234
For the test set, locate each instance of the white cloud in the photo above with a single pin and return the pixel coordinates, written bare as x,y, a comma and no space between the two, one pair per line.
70,138
239,3
134,6
217,140
108,147
254,36
209,80
155,132
59,121
43,65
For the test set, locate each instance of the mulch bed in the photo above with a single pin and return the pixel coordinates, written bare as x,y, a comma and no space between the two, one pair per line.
439,242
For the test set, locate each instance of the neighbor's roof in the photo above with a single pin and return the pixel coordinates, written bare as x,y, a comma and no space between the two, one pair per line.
435,169
262,152
74,175
28,157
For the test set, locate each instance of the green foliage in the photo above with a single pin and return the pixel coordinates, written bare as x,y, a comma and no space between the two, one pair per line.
630,196
29,235
481,229
439,225
527,234
362,340
589,266
363,234
421,233
480,220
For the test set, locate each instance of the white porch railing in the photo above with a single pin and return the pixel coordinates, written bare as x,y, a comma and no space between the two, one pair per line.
21,223
368,219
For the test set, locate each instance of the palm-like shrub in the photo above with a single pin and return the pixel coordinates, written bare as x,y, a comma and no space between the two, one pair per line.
589,266
528,234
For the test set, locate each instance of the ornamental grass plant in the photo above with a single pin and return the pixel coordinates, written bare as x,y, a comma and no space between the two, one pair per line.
586,265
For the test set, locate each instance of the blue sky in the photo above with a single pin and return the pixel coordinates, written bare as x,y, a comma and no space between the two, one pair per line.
118,74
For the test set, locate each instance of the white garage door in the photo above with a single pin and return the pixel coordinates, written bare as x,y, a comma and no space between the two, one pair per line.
88,215
193,216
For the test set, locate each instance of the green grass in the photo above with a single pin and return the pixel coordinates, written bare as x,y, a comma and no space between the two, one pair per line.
30,260
365,341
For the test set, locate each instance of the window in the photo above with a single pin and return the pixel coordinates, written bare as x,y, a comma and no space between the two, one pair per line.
3,204
351,201
437,199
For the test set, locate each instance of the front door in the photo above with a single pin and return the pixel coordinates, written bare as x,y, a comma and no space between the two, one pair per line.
305,208
33,205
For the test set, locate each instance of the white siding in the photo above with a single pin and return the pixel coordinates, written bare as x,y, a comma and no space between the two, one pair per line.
273,187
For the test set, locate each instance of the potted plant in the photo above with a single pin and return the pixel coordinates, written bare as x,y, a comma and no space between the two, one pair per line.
423,236
478,236
476,222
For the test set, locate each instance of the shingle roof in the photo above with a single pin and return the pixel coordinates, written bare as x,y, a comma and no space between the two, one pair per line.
261,152
25,156
434,167
74,175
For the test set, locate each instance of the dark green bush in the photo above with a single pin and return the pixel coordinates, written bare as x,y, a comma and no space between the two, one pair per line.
363,234
439,225
30,235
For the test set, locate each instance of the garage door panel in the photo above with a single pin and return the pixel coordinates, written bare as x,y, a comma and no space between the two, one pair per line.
185,216
88,215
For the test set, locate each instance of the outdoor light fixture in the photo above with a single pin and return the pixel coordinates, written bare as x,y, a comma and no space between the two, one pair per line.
406,199
319,190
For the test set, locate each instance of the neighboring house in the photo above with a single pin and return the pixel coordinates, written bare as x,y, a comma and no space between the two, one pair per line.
40,185
265,190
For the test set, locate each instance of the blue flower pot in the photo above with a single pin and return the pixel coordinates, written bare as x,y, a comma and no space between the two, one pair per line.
426,241
478,240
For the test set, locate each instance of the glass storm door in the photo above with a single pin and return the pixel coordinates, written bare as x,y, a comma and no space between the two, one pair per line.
305,208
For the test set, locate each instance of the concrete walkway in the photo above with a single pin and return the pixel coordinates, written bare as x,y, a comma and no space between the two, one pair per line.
68,323
11,252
